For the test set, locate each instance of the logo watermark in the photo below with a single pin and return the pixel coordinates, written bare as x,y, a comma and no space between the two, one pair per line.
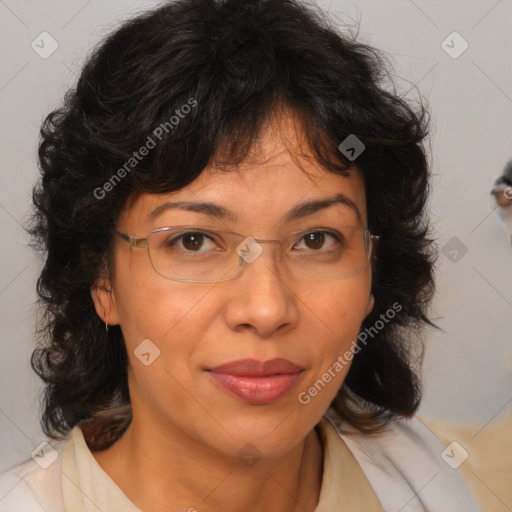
454,455
304,397
137,156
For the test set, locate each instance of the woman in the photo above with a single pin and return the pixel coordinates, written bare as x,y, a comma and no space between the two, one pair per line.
238,268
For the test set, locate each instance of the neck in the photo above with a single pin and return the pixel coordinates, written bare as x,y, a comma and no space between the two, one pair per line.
158,466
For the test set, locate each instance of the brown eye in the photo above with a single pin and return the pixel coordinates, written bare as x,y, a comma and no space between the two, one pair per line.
315,240
192,241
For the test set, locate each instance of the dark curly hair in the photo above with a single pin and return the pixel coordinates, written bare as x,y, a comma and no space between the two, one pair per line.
240,61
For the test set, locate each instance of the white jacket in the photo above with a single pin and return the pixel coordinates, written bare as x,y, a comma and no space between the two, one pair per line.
403,466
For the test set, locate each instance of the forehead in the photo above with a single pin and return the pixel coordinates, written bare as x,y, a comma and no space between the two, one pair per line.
257,197
277,175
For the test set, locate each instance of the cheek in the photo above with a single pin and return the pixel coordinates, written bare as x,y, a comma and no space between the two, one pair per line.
163,326
340,307
337,312
153,307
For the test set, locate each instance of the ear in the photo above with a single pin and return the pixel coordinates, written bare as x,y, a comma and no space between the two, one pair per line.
103,296
369,307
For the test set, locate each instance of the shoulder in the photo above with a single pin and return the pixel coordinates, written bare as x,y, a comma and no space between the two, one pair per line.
406,468
34,484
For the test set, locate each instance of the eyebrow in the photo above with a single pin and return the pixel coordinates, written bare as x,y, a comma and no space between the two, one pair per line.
220,212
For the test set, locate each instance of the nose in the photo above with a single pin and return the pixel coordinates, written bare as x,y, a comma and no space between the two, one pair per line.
262,298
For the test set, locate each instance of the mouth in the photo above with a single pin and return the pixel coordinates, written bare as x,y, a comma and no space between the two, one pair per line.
257,383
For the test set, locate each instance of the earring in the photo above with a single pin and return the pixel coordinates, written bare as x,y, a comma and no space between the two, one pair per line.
106,326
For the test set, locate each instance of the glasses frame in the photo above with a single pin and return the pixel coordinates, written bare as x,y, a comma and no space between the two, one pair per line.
142,243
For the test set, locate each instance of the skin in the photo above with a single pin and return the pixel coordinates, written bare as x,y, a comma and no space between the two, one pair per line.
504,199
180,451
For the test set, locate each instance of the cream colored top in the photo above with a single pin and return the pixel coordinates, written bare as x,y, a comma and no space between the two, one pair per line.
400,470
88,488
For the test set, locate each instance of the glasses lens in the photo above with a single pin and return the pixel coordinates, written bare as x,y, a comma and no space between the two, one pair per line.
199,254
191,254
330,254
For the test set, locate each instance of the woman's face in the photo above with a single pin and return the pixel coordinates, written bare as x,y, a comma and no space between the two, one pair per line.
261,314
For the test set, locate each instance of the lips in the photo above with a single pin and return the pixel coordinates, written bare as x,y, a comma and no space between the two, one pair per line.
257,382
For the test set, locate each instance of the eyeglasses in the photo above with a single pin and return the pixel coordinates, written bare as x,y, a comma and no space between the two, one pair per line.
209,255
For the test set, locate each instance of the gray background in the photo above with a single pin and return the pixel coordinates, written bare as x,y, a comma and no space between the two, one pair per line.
468,368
